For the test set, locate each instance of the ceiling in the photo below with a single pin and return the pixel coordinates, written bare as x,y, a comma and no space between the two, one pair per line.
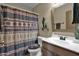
27,6
30,6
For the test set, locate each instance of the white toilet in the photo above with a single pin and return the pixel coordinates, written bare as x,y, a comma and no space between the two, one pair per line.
35,50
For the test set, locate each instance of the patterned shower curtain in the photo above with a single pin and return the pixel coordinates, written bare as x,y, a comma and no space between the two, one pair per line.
18,30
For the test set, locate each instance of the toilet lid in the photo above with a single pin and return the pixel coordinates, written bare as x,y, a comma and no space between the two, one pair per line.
34,46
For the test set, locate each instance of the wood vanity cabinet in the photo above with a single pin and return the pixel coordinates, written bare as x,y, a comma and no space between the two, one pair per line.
53,50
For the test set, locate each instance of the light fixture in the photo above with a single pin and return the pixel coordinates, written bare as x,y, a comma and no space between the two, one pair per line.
55,5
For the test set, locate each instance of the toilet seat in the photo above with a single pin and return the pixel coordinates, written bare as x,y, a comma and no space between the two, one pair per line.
34,46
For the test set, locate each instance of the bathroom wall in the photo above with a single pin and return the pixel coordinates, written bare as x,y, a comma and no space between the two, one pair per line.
44,10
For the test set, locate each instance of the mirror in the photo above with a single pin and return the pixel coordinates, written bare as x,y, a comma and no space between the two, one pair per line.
62,18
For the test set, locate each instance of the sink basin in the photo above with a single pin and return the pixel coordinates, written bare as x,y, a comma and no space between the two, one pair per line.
76,41
60,42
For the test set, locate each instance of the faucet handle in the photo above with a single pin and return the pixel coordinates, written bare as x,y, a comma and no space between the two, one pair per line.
64,38
61,37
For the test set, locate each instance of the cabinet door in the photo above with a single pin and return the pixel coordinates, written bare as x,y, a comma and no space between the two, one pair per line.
46,52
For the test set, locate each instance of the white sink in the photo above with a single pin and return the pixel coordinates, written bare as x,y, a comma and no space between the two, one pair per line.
76,41
61,41
58,41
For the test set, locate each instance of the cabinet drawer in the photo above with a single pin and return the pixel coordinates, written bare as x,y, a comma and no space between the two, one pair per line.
46,52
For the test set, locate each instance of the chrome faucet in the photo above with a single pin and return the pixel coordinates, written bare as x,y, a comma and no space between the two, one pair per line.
62,38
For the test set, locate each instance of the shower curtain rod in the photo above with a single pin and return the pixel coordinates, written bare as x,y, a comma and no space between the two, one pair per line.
19,8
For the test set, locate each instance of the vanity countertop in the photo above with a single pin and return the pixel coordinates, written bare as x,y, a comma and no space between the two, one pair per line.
61,43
